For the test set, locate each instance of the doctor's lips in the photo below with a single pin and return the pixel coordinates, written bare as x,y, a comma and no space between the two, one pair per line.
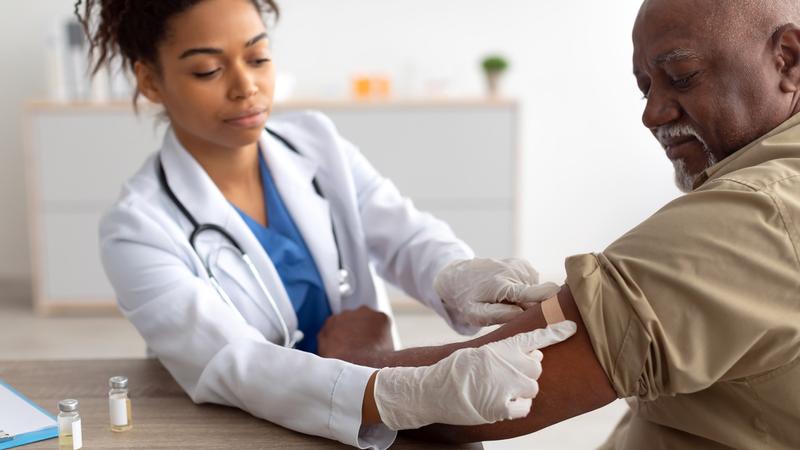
253,117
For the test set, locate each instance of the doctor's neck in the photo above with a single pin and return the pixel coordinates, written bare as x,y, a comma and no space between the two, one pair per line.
227,167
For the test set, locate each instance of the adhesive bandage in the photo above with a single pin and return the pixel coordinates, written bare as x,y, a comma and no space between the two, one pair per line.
552,312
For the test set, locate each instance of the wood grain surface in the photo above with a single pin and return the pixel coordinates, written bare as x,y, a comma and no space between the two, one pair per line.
163,415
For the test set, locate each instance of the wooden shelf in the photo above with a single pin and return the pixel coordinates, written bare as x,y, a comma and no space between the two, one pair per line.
328,104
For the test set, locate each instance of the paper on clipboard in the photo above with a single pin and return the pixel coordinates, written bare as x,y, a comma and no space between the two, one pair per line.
23,419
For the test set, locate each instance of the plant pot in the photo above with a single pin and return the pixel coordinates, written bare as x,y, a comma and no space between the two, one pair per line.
493,83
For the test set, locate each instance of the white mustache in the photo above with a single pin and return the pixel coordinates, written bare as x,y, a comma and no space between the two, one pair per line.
670,132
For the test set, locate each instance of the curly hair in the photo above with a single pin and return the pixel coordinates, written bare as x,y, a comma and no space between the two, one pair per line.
131,30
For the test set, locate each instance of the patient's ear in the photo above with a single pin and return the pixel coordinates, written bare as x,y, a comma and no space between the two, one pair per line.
148,81
786,47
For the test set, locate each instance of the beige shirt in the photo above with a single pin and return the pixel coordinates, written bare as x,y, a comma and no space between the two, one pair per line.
695,313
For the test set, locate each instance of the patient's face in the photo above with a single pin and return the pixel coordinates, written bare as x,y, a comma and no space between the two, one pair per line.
708,93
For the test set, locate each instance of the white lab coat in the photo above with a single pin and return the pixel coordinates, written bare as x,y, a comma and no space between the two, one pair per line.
163,289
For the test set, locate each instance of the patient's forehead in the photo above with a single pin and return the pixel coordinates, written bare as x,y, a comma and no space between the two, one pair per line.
721,22
660,20
711,29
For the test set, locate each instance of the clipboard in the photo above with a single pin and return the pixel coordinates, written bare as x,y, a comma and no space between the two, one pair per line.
32,423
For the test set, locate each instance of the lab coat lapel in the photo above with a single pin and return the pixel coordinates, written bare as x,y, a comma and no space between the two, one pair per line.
201,197
294,174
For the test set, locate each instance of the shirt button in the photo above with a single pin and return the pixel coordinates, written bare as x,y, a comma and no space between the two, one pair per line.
760,425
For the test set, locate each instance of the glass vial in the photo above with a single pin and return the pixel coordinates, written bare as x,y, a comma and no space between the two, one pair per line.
69,425
119,405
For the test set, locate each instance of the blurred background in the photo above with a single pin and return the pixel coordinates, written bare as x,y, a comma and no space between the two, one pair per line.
517,122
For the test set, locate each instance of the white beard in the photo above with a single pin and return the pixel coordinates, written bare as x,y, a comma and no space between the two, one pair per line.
683,179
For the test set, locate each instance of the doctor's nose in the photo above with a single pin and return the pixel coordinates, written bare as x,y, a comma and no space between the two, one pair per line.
242,85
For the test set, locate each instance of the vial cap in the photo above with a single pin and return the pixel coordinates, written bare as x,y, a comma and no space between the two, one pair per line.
68,405
118,382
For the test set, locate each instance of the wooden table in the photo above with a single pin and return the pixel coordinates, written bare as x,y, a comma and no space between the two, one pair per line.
163,415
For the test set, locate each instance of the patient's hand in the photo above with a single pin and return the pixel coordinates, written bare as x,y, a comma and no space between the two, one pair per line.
353,334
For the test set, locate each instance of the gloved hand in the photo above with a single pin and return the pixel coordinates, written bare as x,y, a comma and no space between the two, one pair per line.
472,290
472,386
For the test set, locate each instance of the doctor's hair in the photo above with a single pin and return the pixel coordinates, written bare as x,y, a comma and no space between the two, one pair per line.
131,30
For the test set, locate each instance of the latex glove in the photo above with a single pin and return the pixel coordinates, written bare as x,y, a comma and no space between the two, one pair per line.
472,290
472,386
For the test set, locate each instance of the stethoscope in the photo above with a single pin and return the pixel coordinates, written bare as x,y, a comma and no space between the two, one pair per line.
289,339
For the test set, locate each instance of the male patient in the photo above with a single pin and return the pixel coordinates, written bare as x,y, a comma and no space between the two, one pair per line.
694,315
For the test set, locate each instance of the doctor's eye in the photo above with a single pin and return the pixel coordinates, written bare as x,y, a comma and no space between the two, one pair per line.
208,74
261,61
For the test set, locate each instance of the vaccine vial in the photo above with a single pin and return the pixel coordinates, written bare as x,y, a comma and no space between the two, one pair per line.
69,425
119,405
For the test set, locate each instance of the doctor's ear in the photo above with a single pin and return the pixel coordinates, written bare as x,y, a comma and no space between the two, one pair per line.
147,81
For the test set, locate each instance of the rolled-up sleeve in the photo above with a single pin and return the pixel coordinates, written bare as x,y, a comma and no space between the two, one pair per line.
619,341
705,290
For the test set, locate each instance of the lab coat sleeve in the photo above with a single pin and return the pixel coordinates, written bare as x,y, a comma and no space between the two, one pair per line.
409,247
212,353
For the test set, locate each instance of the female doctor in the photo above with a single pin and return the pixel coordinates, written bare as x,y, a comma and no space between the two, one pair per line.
234,243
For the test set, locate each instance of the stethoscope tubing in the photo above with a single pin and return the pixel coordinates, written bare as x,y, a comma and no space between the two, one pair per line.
345,287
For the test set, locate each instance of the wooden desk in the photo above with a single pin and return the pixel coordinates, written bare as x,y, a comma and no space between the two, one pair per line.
163,415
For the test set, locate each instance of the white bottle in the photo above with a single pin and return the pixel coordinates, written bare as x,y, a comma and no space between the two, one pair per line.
119,405
101,86
69,426
77,62
121,82
55,56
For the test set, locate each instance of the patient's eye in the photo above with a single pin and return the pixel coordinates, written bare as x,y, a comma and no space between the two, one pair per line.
684,82
645,91
643,82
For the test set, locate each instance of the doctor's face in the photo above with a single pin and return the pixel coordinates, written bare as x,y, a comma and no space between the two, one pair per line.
216,77
710,90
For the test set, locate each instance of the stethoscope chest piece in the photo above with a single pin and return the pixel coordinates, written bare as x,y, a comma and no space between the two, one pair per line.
345,287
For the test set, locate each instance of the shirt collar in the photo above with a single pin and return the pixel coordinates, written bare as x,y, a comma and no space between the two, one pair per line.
782,142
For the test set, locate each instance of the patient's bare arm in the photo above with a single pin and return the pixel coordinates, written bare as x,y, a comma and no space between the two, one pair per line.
573,382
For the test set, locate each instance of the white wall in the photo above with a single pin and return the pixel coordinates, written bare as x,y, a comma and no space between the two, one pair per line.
591,171
23,26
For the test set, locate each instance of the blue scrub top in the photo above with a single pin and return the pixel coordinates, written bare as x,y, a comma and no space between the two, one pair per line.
293,261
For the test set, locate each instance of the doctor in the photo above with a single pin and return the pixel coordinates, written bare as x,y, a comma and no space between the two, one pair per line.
233,244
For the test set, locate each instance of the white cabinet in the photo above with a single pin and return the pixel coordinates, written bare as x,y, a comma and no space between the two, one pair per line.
77,158
455,159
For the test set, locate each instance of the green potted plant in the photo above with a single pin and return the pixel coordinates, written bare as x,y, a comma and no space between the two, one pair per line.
494,66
